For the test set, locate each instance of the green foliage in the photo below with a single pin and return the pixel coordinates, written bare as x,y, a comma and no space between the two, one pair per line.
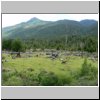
14,81
14,45
85,68
91,44
41,71
29,78
74,42
88,69
47,79
88,74
17,45
6,44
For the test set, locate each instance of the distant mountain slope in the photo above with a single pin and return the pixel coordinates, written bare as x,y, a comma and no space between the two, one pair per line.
9,32
36,28
88,22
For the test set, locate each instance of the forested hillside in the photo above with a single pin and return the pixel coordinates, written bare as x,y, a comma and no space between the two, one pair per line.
61,34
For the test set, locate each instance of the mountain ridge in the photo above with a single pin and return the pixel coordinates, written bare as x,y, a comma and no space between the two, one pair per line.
39,28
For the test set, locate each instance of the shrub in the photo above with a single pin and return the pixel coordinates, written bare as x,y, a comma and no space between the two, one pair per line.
88,69
47,78
14,81
29,78
88,74
64,81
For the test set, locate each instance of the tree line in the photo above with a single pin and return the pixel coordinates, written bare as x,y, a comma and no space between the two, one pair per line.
72,43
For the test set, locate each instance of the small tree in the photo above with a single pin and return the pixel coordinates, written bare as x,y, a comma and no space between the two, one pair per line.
17,45
88,69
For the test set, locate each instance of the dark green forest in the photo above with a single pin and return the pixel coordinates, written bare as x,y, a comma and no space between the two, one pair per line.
87,43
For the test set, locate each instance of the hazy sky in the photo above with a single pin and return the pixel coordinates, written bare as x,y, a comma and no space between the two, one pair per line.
12,19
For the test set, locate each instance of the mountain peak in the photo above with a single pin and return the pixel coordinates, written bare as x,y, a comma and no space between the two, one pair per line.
34,19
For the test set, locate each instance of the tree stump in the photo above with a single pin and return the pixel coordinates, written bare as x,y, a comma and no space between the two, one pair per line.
18,54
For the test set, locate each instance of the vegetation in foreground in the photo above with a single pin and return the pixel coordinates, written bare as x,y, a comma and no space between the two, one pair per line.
43,71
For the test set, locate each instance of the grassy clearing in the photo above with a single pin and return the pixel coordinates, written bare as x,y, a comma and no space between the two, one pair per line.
17,71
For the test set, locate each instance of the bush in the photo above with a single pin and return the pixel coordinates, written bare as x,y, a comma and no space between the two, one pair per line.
88,69
29,78
14,81
64,81
88,75
47,78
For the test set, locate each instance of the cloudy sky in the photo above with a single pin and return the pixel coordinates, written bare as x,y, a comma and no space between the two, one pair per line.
12,19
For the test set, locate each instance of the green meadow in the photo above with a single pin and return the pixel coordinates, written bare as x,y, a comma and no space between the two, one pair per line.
43,71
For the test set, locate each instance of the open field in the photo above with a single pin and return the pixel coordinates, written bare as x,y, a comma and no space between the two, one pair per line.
38,69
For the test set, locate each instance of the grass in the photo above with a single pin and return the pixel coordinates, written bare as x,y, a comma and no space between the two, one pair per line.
73,65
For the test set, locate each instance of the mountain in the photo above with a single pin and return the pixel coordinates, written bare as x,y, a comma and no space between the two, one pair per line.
7,32
88,22
36,28
33,22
